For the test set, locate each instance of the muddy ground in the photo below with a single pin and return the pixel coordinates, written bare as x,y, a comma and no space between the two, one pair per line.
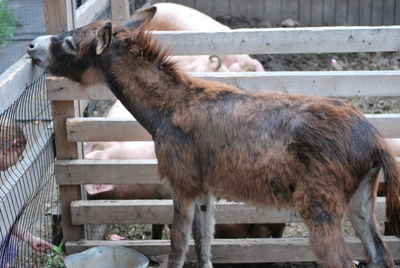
298,62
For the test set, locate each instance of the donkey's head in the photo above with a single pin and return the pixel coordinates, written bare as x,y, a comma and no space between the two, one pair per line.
72,54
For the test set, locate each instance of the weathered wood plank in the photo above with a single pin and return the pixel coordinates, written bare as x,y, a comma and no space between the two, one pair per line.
237,8
99,129
69,193
221,8
377,10
353,12
160,212
66,150
388,12
89,11
365,12
60,16
59,88
383,122
72,172
255,9
284,40
15,80
317,9
305,12
61,111
241,250
328,84
329,13
272,11
103,129
397,12
341,12
290,9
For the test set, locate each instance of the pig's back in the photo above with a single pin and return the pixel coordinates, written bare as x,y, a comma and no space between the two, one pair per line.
175,17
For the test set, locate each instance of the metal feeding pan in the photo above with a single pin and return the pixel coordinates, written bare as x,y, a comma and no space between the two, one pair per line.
107,257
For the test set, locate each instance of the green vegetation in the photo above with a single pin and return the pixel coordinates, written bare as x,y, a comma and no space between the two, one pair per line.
55,258
8,23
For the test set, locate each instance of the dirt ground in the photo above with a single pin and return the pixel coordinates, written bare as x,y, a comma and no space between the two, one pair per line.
297,62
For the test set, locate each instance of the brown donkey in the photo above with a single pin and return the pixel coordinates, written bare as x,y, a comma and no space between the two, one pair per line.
319,155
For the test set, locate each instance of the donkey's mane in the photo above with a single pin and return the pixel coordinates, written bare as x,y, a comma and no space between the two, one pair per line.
140,42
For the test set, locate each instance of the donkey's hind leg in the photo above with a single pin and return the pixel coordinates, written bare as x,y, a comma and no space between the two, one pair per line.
203,229
180,230
322,212
362,216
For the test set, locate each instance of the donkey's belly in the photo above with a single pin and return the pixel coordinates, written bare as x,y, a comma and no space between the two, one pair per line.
255,190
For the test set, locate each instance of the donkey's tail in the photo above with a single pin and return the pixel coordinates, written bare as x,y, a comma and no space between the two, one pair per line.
392,187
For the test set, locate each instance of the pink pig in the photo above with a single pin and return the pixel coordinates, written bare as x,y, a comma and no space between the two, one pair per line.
120,150
175,17
394,145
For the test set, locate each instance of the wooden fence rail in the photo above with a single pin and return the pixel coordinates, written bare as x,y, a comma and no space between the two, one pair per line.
284,40
81,171
240,250
159,212
320,83
15,80
103,129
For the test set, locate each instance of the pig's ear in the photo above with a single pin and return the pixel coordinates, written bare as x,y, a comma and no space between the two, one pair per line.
140,17
104,36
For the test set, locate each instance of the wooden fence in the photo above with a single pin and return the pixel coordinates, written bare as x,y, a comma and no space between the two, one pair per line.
307,12
71,130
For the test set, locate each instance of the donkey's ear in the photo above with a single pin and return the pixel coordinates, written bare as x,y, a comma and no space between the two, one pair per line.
140,17
104,36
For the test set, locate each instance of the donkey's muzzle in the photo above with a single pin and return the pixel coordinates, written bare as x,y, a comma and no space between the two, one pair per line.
39,50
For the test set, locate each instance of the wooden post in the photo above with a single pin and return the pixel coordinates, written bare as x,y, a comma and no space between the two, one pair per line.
60,17
67,150
119,10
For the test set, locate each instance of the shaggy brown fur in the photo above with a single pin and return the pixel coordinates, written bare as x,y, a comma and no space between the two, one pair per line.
319,155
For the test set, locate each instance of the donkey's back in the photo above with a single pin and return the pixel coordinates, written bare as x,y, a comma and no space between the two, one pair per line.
264,146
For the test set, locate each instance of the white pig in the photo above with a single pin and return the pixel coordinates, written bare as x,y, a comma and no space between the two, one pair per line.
175,17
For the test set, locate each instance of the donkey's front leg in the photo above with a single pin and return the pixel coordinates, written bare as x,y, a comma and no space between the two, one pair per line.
203,229
180,231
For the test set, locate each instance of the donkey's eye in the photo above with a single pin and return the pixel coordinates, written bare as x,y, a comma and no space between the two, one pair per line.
70,46
69,43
